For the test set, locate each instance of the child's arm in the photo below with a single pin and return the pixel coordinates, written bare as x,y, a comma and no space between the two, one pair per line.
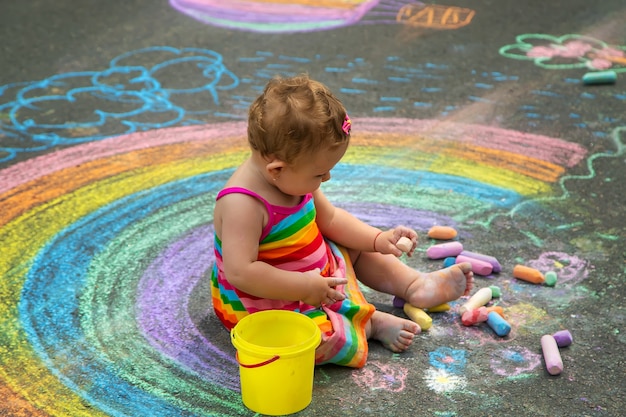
345,229
241,219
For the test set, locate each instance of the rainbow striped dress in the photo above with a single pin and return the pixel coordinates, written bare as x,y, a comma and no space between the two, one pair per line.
292,241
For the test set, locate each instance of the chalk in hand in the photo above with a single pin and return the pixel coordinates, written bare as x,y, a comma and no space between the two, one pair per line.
528,274
551,355
404,244
498,324
563,338
441,233
444,250
479,299
478,267
600,77
419,316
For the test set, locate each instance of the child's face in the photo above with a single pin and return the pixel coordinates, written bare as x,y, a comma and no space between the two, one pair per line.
309,173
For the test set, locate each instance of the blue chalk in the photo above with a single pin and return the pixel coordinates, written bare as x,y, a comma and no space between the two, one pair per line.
498,324
600,77
449,261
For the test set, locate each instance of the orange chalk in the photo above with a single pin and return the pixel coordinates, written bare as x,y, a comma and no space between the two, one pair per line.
529,274
497,309
441,233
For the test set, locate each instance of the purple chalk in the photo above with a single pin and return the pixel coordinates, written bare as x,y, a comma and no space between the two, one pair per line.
444,250
486,258
398,302
563,338
478,267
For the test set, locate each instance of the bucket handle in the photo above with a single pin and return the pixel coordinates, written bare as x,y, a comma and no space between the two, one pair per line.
257,365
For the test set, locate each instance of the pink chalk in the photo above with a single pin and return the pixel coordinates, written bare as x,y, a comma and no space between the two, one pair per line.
471,317
478,267
443,250
551,355
563,338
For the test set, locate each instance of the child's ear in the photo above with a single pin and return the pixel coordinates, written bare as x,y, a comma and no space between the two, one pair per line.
274,168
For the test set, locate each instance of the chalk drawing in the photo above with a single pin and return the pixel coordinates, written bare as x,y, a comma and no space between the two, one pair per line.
515,362
380,376
136,84
566,52
267,16
441,381
448,359
435,16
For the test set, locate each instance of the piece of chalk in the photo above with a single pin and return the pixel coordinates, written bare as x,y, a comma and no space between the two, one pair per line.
449,261
418,315
404,244
441,233
528,274
495,291
479,299
486,258
398,302
478,267
498,324
600,77
496,309
443,250
550,278
563,338
439,309
472,317
551,355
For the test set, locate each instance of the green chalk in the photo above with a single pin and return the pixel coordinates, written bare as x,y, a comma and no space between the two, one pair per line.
600,77
550,277
495,291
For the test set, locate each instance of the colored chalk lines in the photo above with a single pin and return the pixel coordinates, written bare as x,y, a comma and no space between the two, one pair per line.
106,247
567,52
271,16
110,241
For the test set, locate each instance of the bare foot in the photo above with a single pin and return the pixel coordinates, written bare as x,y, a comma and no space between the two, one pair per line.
395,333
435,288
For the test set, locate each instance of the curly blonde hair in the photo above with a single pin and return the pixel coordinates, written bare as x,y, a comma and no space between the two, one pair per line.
295,117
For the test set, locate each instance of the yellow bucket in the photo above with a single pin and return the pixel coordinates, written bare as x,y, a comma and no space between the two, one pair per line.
276,355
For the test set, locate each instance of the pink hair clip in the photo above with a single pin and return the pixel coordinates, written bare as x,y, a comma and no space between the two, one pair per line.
347,125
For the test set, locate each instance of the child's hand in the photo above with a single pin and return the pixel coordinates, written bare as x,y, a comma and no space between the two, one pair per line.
322,290
387,240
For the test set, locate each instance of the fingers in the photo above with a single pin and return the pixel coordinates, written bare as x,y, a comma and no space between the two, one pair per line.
335,281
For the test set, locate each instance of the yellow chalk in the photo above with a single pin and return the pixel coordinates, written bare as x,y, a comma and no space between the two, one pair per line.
439,309
419,316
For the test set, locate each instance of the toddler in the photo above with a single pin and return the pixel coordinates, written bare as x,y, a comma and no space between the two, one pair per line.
281,244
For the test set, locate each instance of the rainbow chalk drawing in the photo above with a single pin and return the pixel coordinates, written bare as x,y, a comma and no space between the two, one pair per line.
94,302
267,16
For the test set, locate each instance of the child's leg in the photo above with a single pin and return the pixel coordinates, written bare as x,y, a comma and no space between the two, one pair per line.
388,274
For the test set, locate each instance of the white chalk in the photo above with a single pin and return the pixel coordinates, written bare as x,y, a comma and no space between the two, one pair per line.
479,299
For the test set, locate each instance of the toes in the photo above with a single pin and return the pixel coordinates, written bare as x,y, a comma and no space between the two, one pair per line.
466,267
